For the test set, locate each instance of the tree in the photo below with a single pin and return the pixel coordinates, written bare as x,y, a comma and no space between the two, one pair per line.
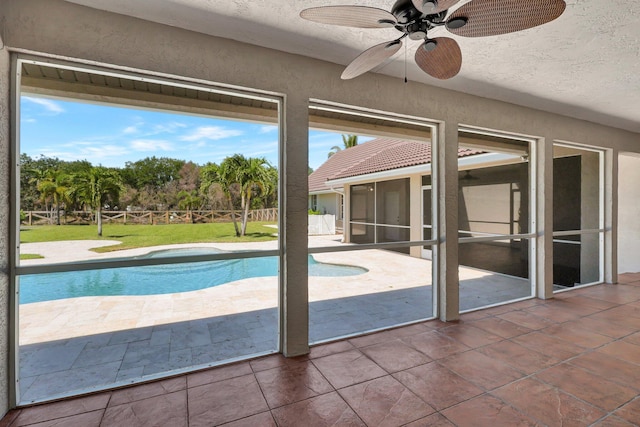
54,185
188,200
96,187
253,176
152,171
348,141
213,174
32,171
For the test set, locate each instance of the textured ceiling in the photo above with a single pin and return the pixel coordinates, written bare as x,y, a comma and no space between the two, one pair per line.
585,64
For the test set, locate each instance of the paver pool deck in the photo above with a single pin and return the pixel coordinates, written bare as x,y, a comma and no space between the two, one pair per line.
89,342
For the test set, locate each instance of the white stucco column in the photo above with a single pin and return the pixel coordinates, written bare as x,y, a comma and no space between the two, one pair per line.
543,220
6,379
415,213
346,225
294,298
611,216
447,248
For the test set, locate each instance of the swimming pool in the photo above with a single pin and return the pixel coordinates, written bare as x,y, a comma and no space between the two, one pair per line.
162,279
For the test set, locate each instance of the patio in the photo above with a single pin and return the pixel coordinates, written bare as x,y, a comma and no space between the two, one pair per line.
568,361
98,341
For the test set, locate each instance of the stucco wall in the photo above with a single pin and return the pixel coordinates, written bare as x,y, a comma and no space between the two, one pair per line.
628,214
55,27
327,204
4,227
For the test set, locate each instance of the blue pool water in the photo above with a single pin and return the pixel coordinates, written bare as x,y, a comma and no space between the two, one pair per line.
162,279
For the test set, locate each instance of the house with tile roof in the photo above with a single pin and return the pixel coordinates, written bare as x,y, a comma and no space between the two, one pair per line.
380,192
371,185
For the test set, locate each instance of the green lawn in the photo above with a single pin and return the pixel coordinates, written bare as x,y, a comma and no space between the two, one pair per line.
136,236
30,256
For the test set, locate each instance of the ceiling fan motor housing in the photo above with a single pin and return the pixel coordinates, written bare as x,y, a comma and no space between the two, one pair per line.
405,11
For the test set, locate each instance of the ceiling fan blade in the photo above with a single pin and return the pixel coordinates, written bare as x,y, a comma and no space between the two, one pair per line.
443,61
433,7
350,16
371,58
493,17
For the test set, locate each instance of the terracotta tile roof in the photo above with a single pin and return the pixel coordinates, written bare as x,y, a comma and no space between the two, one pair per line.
377,155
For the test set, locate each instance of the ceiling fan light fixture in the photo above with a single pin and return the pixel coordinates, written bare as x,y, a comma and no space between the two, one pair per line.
429,45
418,35
457,22
429,6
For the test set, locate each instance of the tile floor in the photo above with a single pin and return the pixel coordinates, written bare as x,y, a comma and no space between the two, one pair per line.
84,344
571,361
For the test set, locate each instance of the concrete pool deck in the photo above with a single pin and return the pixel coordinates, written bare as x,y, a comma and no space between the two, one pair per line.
89,342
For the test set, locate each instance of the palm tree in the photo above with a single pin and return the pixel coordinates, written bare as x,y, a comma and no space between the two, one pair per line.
188,200
95,187
53,185
252,176
223,176
348,141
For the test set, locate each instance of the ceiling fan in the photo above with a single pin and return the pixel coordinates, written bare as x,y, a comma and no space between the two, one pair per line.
439,57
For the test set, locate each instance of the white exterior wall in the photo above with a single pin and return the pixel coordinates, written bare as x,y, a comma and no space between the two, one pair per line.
65,30
628,214
327,204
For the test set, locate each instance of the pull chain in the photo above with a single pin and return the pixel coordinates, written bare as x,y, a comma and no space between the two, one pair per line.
405,63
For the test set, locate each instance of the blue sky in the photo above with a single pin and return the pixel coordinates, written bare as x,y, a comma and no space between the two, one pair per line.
112,135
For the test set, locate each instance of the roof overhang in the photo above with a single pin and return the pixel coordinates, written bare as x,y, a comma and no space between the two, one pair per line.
464,163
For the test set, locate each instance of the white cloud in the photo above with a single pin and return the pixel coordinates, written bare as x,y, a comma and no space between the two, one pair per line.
267,129
50,106
130,130
170,127
94,153
150,145
102,151
211,132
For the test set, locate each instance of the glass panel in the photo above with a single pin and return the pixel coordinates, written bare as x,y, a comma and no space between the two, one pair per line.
392,202
493,272
576,189
361,233
394,288
90,329
393,234
389,289
493,199
427,214
576,206
363,203
108,181
576,260
510,257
